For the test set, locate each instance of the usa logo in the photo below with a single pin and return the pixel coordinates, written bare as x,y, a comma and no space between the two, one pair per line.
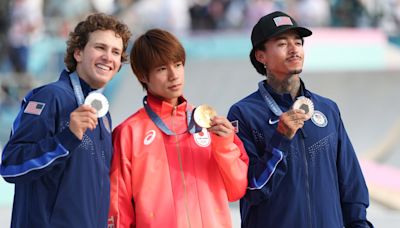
319,119
34,108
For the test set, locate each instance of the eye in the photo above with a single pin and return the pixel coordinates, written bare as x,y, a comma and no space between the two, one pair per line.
99,47
281,43
178,64
161,68
117,52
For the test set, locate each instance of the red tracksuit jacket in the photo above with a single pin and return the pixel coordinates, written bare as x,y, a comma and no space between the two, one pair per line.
183,180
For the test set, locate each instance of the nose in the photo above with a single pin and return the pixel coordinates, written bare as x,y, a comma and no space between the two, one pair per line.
107,55
292,47
172,73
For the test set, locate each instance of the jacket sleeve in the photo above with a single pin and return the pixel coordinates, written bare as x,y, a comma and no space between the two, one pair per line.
36,145
267,166
233,164
353,190
121,213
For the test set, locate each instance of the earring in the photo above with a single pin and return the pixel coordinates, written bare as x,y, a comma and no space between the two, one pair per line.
265,66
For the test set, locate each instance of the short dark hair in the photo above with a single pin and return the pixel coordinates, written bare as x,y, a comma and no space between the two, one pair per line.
154,48
94,22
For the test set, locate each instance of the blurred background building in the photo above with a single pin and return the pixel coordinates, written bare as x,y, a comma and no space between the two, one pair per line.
352,57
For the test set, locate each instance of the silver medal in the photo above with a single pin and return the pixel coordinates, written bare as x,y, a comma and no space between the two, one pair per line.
99,102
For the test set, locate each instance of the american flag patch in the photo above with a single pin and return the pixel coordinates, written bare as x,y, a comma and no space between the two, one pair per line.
34,108
282,20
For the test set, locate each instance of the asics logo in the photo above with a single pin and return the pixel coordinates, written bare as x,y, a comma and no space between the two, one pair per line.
150,136
270,121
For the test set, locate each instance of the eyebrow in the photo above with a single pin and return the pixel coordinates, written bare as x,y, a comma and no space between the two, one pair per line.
103,44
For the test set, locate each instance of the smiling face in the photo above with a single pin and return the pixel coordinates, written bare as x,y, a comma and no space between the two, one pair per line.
166,82
283,55
100,59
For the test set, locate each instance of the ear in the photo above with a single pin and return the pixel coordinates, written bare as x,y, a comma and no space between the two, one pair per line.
78,55
261,57
144,80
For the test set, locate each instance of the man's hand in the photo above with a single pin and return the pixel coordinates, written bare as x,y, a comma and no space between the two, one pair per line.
81,119
221,126
290,122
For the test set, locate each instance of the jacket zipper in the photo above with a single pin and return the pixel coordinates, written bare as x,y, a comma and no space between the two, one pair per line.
173,114
307,182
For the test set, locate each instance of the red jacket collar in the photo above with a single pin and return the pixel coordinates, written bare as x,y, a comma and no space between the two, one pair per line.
163,108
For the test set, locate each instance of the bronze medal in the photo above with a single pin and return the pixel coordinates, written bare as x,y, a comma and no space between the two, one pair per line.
305,104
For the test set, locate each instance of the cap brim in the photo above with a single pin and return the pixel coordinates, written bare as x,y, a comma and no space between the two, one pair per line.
303,32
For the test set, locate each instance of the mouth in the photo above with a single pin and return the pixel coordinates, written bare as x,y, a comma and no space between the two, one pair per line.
294,59
175,87
103,67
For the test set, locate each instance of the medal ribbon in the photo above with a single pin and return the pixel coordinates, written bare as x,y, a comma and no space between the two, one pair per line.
272,105
80,98
76,85
192,128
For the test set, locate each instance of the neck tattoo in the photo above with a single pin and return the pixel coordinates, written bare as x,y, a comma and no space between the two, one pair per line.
288,85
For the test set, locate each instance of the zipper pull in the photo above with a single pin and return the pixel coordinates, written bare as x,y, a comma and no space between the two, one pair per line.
174,111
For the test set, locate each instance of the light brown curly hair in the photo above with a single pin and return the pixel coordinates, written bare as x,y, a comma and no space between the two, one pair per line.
94,22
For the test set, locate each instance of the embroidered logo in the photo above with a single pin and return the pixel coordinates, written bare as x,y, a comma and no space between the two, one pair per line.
282,20
34,108
149,138
202,138
270,121
319,119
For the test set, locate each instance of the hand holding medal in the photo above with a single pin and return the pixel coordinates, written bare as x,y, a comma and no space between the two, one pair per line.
206,117
292,120
305,104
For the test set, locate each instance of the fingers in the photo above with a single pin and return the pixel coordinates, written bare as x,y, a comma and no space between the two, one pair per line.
86,115
86,108
295,117
291,121
221,126
81,119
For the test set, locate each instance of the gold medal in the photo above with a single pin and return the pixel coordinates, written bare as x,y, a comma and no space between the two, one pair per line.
203,115
305,104
99,102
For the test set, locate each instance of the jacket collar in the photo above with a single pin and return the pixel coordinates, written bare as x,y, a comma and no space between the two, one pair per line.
163,108
85,87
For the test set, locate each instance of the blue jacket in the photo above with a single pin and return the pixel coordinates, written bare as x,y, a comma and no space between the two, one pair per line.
60,181
311,181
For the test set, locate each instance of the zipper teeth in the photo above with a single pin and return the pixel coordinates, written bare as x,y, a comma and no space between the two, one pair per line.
307,184
181,171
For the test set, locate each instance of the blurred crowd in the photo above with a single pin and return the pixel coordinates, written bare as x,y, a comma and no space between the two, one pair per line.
24,23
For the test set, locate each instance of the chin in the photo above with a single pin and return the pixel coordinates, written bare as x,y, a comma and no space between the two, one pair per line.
99,85
296,71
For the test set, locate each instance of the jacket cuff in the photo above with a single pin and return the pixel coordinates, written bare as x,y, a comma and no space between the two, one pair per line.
220,143
68,139
279,141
